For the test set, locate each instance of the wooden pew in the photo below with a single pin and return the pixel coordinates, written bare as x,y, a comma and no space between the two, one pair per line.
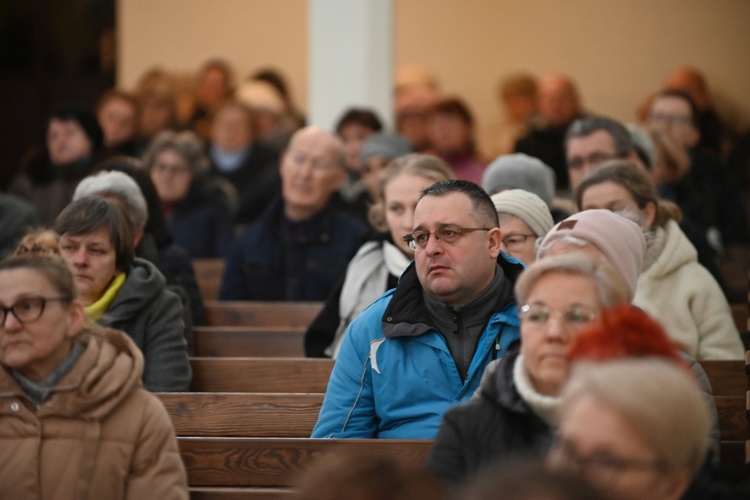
260,374
211,414
253,313
208,274
222,341
728,378
730,384
276,462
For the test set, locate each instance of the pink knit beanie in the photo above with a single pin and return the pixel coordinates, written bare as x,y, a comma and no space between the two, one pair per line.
620,240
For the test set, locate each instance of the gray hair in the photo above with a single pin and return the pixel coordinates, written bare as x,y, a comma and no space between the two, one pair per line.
584,127
118,185
186,144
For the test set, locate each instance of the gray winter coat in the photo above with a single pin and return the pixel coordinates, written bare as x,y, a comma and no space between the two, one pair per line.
152,316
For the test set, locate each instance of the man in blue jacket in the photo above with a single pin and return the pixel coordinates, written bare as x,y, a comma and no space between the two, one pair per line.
423,346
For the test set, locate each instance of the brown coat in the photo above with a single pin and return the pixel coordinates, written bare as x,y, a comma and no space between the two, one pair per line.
98,435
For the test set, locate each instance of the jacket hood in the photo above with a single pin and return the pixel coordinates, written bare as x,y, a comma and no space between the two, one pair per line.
106,373
406,314
497,384
671,250
142,286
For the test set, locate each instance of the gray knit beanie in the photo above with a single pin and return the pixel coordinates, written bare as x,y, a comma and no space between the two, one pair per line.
520,171
389,145
526,206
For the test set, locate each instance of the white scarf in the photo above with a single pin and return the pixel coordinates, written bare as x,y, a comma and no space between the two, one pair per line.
366,280
545,407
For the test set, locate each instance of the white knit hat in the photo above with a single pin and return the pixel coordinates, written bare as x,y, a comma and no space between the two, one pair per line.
526,206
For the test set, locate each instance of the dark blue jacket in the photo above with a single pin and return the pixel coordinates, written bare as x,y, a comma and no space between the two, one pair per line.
202,224
275,259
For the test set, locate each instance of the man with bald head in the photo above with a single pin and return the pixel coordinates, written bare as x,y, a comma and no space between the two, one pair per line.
559,106
299,248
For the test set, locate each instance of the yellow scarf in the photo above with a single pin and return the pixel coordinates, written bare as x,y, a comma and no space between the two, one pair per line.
95,311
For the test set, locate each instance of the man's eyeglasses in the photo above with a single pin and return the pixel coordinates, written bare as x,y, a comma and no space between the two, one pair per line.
671,120
28,309
594,160
446,234
538,315
516,241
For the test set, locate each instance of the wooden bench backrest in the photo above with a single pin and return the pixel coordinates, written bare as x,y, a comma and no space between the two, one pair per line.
223,341
276,461
728,378
252,313
211,414
260,374
208,273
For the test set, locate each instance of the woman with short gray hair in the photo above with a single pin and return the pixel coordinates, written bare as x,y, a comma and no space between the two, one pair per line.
198,211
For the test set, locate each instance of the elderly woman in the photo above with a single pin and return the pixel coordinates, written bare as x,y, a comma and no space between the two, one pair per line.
379,263
124,292
75,421
524,220
673,285
638,428
198,211
513,412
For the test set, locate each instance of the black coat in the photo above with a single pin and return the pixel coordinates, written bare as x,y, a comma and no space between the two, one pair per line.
493,426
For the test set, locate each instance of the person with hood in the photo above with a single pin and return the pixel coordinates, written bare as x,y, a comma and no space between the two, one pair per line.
48,178
198,210
75,421
513,413
121,291
423,346
673,284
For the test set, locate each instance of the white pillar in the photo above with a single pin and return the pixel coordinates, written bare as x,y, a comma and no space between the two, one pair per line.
351,58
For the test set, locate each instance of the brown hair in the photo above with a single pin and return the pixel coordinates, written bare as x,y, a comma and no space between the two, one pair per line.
89,214
628,175
51,266
38,241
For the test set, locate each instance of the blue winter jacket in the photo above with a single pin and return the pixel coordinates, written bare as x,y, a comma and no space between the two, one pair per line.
395,377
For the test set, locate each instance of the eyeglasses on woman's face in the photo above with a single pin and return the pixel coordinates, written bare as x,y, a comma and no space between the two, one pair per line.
539,314
28,309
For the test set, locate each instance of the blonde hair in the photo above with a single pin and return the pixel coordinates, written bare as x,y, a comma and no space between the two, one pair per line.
657,397
610,286
427,166
39,241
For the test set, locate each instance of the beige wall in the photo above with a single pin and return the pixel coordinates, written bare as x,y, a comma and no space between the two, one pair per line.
617,51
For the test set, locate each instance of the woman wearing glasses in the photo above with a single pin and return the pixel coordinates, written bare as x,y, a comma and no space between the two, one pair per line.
637,428
75,421
524,219
512,413
379,263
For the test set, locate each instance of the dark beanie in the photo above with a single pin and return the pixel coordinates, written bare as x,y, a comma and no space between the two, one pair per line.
85,118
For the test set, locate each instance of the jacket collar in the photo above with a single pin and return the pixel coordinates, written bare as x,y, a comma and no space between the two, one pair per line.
407,314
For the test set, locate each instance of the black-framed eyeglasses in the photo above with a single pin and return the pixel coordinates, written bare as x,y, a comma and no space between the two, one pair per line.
447,234
28,309
538,314
603,466
515,241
